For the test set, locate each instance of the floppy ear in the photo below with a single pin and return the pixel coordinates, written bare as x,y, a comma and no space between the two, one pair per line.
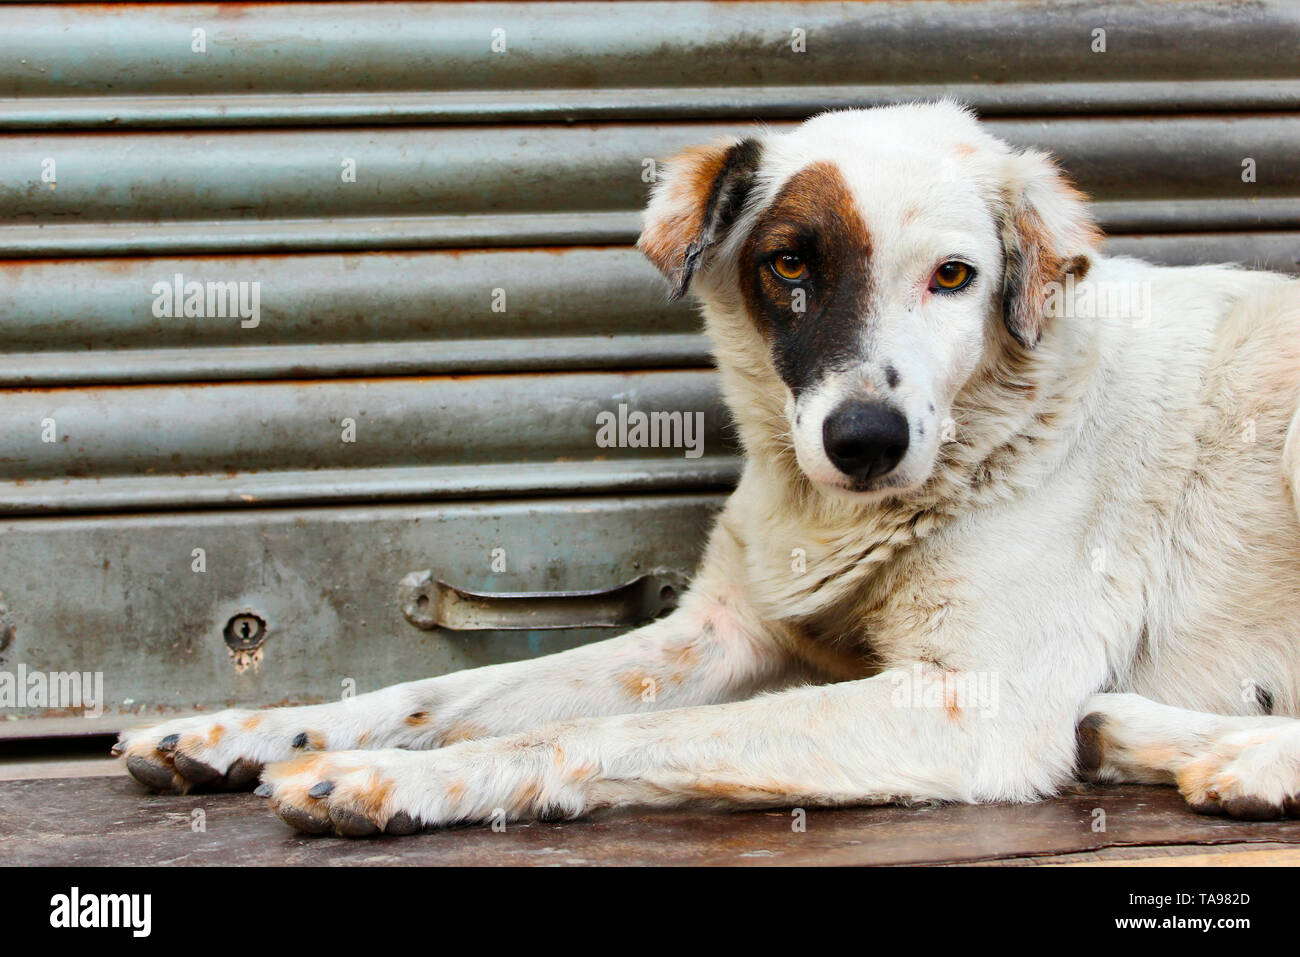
1047,234
695,200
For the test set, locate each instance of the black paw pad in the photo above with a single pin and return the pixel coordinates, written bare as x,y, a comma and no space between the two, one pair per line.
351,824
1251,809
242,774
156,776
300,819
402,823
194,770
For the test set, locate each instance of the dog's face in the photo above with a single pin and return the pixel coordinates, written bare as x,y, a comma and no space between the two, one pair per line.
868,262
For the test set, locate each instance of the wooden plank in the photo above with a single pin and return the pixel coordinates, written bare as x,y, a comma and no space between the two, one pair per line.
99,821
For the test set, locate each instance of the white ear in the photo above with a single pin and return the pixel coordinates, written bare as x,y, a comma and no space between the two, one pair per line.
1047,234
694,201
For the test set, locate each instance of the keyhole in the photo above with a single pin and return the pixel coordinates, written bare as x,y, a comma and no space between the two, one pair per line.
245,632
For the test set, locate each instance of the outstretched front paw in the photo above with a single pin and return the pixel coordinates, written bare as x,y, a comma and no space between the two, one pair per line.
223,751
352,793
362,793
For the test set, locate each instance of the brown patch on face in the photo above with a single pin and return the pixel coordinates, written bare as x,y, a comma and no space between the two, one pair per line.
251,722
815,218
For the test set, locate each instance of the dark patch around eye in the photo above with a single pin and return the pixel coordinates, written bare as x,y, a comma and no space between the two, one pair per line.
814,216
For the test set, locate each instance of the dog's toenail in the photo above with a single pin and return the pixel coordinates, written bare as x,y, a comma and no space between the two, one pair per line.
117,749
263,790
169,743
321,790
301,740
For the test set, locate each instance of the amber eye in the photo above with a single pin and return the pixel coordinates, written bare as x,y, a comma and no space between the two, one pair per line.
789,267
951,276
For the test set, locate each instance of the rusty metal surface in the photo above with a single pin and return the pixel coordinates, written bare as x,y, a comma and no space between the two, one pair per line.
109,821
132,447
400,313
121,596
322,64
377,313
256,191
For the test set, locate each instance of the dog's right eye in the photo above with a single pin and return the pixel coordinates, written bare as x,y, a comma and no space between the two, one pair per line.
790,267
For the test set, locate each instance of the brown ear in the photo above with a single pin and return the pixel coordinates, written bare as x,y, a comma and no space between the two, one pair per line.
1047,234
695,200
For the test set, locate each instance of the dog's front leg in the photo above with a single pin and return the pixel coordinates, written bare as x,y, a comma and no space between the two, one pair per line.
874,740
712,649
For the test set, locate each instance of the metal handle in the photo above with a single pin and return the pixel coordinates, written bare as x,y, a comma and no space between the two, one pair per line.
429,603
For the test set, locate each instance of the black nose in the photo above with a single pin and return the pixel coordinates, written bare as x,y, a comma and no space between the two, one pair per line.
865,439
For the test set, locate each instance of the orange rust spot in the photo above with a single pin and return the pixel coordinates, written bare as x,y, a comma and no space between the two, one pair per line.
456,790
963,149
251,722
363,738
419,719
215,735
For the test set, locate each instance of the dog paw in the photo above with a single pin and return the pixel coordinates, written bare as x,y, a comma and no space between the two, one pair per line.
224,751
1251,775
349,793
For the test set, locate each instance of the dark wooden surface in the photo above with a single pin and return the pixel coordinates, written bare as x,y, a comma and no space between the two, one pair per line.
110,821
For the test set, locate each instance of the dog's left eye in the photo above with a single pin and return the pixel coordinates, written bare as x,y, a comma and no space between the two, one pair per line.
790,267
951,276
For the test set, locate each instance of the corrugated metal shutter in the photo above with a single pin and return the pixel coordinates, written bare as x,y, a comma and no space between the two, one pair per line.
435,202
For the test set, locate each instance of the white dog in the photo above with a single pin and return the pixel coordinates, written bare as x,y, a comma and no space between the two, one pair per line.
1007,503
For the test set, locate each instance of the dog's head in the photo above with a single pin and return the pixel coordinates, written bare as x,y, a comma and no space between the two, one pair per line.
858,270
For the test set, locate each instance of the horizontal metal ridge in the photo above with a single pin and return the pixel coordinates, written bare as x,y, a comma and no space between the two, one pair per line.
491,57
287,190
244,443
217,110
400,313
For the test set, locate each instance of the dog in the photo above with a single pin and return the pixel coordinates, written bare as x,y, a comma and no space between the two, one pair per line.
1012,511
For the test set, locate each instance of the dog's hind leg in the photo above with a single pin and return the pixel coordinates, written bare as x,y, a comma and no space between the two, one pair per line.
1244,767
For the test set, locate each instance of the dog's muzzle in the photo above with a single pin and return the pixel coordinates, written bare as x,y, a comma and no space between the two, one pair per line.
865,440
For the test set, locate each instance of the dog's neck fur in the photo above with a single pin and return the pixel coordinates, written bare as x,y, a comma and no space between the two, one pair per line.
1014,418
